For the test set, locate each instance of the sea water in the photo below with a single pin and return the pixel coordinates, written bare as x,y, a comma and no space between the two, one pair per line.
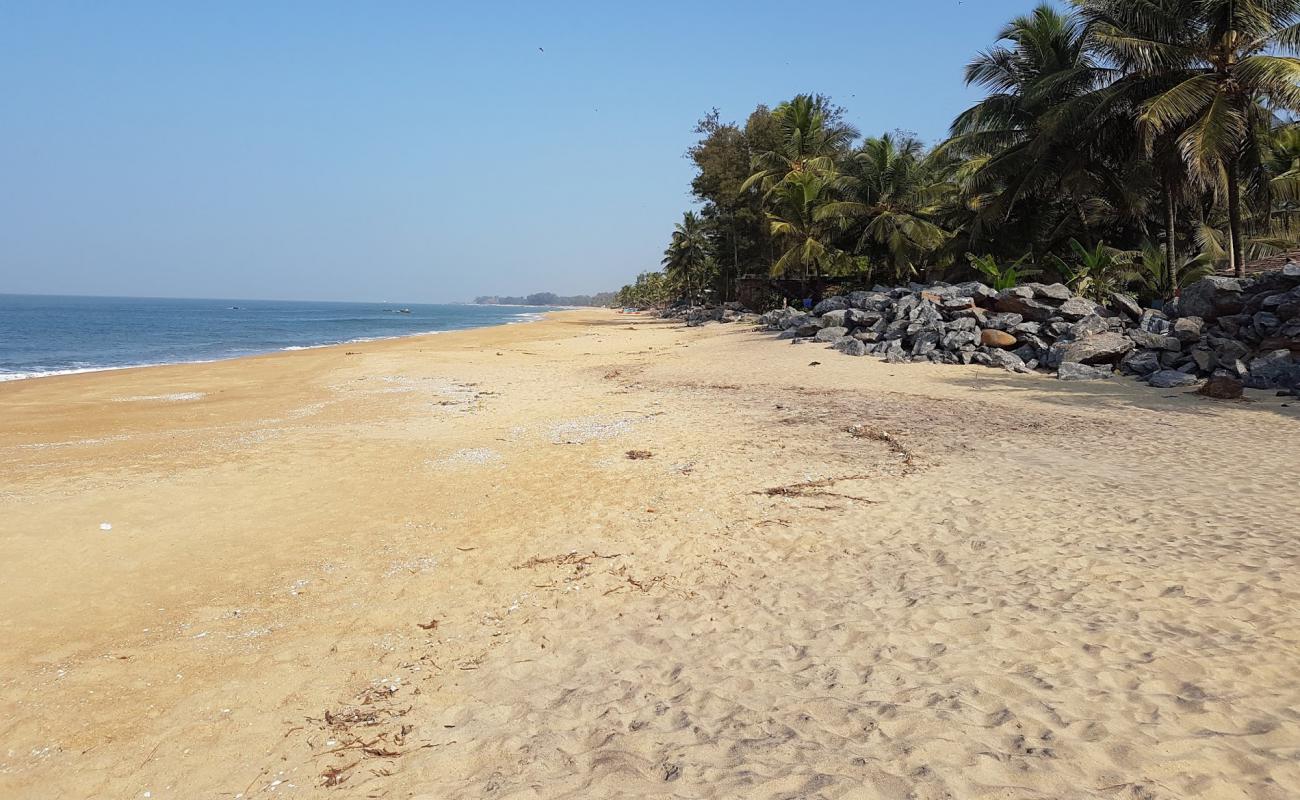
52,335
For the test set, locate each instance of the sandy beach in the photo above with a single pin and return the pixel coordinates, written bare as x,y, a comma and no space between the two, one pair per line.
609,556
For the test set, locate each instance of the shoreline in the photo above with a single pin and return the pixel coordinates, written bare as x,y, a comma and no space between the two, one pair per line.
612,556
8,377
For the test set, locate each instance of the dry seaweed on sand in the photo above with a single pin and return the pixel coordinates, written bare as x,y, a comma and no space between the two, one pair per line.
817,488
639,455
565,559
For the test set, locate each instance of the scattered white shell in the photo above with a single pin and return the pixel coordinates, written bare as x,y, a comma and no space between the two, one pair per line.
104,526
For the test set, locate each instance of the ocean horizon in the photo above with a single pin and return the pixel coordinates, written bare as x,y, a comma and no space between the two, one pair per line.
43,335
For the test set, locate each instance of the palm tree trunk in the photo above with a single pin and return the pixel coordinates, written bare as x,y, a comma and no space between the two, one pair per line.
1236,249
1171,244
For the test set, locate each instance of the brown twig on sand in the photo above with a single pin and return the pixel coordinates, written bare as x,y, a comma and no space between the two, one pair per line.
816,489
335,776
432,625
639,455
875,434
564,559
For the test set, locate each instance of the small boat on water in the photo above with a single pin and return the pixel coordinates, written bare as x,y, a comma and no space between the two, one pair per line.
403,311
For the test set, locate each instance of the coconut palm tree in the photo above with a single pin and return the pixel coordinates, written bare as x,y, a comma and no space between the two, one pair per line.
1043,158
891,190
1228,64
804,234
811,138
686,259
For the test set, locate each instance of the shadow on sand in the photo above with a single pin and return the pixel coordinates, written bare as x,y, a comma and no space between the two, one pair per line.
1121,393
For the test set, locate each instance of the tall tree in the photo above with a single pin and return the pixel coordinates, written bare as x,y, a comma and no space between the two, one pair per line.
1231,64
891,190
812,135
687,256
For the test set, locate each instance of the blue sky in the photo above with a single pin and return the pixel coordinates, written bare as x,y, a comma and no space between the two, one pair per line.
417,151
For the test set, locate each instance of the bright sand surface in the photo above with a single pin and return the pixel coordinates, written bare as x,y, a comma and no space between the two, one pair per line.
428,568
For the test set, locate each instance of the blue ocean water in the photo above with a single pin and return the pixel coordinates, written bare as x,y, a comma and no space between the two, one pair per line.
48,335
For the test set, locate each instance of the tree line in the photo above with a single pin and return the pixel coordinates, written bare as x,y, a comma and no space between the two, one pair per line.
549,299
1138,143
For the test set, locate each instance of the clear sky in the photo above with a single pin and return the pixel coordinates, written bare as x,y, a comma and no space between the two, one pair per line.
412,151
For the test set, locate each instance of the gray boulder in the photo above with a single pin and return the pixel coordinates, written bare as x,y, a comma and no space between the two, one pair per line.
850,346
1088,326
1077,308
1003,322
835,303
1096,349
1123,303
1188,329
1006,360
1027,308
1070,371
1141,362
1056,291
835,319
1211,298
831,334
870,301
1154,341
1169,379
861,317
1275,370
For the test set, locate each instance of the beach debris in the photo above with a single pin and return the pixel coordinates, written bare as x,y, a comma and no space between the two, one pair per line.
817,488
639,455
815,364
106,526
431,625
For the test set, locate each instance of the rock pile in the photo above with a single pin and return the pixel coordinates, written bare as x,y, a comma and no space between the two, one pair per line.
1245,331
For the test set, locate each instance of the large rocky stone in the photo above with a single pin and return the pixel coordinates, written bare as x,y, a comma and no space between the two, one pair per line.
1188,329
1099,348
834,319
835,303
1090,325
1141,362
957,340
924,342
1077,308
870,301
861,317
1227,352
850,346
1275,370
808,328
1169,378
1154,341
1070,371
831,334
1222,387
1006,360
995,338
1211,298
1124,303
1027,308
1003,322
1056,291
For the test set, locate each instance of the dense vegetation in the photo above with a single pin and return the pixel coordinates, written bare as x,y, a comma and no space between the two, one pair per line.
550,299
1121,142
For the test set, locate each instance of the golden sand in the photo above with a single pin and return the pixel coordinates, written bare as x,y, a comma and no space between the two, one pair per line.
429,568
